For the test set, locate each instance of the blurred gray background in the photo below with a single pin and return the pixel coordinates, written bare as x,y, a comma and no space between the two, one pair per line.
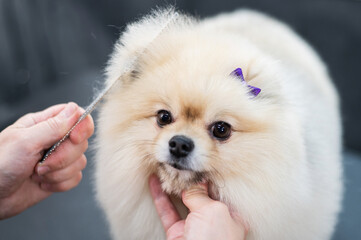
54,51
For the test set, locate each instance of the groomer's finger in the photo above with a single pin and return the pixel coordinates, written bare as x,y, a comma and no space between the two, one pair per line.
196,197
48,132
31,119
64,155
83,130
62,174
167,212
63,186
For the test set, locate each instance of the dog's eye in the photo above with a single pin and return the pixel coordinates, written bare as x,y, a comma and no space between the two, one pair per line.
221,130
164,117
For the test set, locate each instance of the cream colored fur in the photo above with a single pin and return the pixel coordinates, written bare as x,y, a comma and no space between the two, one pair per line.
280,169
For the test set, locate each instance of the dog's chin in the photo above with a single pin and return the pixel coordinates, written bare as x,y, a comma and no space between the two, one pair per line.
175,179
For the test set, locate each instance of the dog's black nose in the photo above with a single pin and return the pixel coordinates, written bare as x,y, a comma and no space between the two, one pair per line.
180,146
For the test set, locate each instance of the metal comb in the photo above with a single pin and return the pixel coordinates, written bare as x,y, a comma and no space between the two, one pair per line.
93,104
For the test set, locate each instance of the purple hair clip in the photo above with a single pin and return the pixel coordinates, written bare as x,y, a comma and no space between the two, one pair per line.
253,90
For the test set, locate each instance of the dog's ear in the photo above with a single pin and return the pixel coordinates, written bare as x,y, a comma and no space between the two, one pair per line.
133,43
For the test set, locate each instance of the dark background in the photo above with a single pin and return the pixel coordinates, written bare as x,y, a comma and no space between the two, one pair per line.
55,51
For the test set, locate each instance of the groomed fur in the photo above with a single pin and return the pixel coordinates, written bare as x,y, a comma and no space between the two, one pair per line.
280,168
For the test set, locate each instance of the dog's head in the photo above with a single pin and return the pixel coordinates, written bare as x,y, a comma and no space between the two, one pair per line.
182,113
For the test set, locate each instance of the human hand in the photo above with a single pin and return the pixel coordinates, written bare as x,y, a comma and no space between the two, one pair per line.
23,180
208,219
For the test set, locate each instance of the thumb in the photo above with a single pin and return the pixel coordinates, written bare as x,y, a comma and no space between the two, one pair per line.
51,130
196,197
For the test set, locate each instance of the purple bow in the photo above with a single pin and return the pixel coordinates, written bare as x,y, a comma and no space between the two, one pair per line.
253,90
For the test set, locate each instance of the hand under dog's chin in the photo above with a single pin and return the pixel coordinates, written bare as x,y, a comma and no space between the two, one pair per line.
174,181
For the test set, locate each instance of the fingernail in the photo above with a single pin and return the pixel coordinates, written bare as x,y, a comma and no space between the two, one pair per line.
201,187
68,110
42,170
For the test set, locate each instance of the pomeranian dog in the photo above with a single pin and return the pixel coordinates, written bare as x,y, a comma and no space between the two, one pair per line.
237,100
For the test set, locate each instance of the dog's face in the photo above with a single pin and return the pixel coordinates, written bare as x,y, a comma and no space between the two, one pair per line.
189,120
